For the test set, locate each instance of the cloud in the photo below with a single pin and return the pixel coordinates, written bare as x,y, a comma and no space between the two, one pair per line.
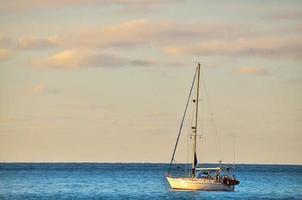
122,35
250,71
38,88
143,62
136,33
152,33
43,89
173,38
38,43
29,42
6,42
6,48
277,47
130,33
15,5
290,15
5,54
64,59
72,59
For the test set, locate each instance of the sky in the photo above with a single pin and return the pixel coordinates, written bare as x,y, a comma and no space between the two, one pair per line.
107,81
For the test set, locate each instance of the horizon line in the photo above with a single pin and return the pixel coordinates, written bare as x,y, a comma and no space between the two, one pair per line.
87,162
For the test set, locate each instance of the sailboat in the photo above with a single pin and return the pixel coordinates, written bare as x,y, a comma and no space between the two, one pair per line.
219,178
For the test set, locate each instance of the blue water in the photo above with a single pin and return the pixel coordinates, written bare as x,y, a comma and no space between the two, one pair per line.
138,181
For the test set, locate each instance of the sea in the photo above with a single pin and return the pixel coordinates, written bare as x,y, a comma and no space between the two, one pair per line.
137,181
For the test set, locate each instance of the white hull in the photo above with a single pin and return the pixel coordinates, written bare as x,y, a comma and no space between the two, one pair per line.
198,184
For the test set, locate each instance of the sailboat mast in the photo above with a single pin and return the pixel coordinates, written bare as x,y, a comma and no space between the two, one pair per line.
194,160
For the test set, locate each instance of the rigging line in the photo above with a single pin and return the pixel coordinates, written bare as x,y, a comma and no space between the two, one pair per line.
187,158
190,133
212,114
201,138
234,153
189,139
182,121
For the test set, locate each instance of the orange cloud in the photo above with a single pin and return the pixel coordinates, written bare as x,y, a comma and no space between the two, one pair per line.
173,38
38,43
64,59
174,50
72,59
43,89
145,32
260,47
185,39
5,54
123,35
133,33
250,71
38,88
